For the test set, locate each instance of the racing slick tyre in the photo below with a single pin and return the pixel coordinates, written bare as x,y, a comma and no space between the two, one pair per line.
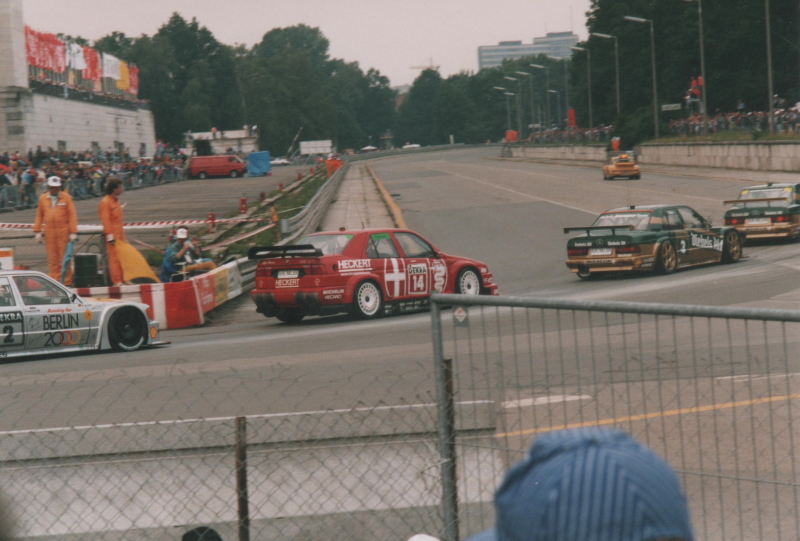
667,259
202,175
584,274
731,247
127,329
637,177
468,282
367,301
291,315
234,174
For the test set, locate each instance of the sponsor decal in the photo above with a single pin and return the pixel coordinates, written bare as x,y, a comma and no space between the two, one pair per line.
738,214
418,279
582,244
394,276
316,282
332,291
354,264
617,243
439,270
89,315
287,282
63,338
59,310
56,322
703,241
10,317
332,297
417,269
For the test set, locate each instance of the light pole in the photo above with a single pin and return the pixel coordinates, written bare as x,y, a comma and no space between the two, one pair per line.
508,108
653,56
518,104
558,124
547,94
703,62
616,64
588,80
526,74
769,73
566,81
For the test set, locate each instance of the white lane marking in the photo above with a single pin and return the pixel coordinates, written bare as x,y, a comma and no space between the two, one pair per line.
755,377
593,213
541,400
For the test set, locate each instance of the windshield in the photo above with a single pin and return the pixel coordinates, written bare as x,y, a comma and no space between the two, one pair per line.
784,193
328,244
639,221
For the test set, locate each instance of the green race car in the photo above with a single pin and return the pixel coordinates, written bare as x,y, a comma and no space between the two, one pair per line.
766,211
660,238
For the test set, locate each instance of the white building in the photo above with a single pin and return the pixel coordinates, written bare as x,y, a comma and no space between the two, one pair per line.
49,116
555,44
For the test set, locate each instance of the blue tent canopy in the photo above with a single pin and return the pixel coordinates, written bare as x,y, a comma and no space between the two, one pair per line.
258,164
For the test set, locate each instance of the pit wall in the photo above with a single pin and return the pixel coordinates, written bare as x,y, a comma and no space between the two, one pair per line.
763,156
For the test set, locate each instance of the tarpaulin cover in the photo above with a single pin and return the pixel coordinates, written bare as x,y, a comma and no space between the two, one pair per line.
258,164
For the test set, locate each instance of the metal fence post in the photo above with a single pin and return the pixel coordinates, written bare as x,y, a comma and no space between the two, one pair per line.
446,428
241,478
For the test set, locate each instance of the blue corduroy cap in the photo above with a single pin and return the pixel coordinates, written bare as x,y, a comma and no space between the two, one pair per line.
590,484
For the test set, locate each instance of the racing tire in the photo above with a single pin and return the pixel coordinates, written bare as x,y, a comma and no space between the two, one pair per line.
731,247
367,301
584,274
234,174
291,315
202,175
127,329
637,177
667,259
468,282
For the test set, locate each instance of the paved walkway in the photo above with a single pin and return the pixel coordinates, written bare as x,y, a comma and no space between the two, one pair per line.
358,204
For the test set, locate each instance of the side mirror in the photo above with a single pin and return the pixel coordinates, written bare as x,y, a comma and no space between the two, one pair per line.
73,297
708,223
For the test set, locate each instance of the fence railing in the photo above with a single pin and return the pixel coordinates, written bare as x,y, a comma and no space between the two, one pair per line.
715,391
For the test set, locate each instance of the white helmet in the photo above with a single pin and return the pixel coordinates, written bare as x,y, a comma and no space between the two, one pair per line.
54,182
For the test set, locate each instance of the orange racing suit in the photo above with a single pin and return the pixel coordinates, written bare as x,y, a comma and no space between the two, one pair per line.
110,212
60,220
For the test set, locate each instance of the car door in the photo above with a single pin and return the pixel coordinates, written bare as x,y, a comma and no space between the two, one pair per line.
386,262
12,322
425,271
706,245
51,320
673,223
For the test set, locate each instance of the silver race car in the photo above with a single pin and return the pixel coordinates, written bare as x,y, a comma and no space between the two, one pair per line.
40,316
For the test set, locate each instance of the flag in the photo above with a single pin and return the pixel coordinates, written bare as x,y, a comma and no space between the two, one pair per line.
75,59
32,46
111,66
124,81
93,71
134,73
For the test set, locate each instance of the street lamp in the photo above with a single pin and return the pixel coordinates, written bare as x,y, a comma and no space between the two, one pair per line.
589,80
508,108
526,74
616,63
566,79
653,56
769,73
558,102
703,62
547,94
518,104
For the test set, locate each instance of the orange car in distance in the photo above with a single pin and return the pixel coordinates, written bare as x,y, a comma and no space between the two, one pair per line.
622,165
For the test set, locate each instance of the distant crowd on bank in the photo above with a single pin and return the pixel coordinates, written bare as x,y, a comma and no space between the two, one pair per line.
787,121
84,173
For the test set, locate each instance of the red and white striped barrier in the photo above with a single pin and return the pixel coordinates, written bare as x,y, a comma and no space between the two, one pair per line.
160,224
179,304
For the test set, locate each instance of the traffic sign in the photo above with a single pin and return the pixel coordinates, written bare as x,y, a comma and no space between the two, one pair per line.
671,107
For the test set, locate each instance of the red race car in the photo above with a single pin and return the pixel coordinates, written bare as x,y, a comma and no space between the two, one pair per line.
368,273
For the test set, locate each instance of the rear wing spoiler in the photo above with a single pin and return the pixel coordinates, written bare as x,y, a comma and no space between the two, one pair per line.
762,200
595,228
290,250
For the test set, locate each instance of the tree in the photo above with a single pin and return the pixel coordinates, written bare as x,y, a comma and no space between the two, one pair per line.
415,122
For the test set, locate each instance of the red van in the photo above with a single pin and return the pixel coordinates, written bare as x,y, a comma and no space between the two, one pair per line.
225,165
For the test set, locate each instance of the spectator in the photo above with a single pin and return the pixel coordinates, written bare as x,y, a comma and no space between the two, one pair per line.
591,484
184,251
56,217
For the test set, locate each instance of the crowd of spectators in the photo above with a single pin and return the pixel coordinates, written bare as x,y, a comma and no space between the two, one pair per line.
22,176
787,121
599,134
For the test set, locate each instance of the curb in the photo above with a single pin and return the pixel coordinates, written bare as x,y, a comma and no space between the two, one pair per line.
394,209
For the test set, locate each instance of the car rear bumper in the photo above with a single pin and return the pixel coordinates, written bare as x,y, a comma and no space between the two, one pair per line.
768,231
312,302
611,264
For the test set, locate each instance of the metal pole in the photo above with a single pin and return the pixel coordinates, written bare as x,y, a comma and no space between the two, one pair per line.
547,85
518,100
655,91
589,77
703,67
241,478
444,398
769,72
508,114
532,112
616,62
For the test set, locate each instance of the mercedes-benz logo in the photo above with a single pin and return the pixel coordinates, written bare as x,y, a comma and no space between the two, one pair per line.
756,213
599,242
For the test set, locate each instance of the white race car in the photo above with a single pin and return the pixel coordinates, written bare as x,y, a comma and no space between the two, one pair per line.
40,316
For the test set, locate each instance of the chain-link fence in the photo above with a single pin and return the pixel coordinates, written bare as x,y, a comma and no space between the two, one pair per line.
712,390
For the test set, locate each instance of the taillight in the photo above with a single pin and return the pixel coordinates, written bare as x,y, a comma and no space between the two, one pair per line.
317,269
262,271
577,251
781,219
733,221
630,249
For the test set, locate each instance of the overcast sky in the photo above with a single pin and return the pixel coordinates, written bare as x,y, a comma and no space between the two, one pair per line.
388,35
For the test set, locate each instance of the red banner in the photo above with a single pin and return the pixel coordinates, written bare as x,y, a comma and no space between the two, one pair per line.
32,46
134,80
94,70
45,51
571,117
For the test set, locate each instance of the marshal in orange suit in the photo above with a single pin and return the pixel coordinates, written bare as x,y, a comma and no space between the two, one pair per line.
111,215
57,212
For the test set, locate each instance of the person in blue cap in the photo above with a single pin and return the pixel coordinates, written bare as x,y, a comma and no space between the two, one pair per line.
590,484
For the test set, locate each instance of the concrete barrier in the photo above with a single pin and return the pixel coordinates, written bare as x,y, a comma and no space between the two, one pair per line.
593,153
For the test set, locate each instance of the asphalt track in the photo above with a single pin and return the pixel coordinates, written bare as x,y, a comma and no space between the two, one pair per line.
509,214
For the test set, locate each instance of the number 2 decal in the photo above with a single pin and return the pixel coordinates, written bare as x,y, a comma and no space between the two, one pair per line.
9,331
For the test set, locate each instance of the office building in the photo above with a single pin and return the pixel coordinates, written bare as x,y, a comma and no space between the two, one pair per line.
555,44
